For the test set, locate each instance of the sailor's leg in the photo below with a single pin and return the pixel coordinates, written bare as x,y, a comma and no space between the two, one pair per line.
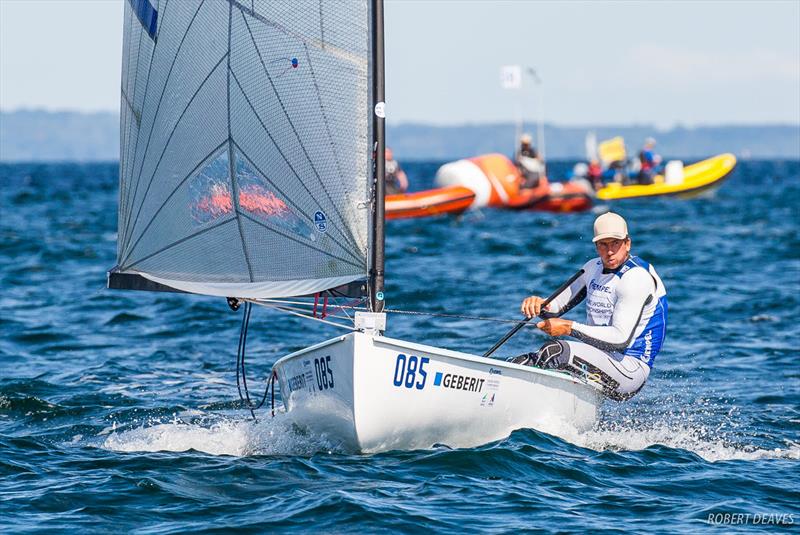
621,376
526,359
553,354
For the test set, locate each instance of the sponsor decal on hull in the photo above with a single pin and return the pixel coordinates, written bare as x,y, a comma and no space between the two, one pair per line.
458,382
317,376
410,371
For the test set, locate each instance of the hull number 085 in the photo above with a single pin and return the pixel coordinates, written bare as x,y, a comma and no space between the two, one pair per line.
324,372
409,371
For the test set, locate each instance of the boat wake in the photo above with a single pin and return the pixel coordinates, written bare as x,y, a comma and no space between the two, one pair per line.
695,440
219,435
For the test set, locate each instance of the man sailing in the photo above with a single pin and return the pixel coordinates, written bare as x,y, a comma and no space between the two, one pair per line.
626,317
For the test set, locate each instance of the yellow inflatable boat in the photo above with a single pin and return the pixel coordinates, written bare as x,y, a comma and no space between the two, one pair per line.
697,178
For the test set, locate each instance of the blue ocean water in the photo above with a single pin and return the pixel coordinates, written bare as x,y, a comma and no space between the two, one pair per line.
118,410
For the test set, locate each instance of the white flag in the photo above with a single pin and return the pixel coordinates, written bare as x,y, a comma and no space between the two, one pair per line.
511,76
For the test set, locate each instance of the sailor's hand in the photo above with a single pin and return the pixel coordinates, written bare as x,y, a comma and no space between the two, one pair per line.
556,327
532,306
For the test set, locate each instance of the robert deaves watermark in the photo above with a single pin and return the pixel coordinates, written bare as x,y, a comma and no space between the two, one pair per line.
759,519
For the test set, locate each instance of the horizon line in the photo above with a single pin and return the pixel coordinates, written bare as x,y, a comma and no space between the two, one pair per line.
470,123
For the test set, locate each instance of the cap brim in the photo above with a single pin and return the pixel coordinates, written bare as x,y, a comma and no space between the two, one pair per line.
615,235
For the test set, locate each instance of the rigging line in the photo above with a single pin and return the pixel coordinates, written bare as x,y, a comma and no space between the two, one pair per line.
300,303
306,316
166,146
281,309
342,220
231,162
301,214
177,242
269,382
318,249
437,315
267,300
174,191
239,352
144,98
155,115
304,312
338,306
301,310
345,249
240,357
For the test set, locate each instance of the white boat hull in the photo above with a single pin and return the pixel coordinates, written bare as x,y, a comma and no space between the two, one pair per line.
369,393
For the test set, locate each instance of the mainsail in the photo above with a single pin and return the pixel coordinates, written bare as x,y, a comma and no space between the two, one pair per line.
246,145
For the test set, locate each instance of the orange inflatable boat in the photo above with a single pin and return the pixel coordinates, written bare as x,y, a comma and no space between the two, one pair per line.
497,182
448,200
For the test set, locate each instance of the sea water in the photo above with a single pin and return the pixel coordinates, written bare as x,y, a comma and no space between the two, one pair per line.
119,411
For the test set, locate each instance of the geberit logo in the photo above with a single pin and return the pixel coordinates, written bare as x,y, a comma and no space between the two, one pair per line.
458,382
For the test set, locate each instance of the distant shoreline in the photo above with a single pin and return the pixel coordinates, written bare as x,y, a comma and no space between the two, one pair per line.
44,136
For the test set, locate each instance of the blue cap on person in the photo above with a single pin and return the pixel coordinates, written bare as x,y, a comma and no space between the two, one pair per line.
610,225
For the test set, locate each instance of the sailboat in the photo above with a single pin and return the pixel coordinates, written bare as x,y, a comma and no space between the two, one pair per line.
252,168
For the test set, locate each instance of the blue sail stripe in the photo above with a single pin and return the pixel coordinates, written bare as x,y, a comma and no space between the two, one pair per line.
147,15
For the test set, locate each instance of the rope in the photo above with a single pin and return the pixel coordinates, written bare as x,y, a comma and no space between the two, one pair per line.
241,369
451,316
240,365
300,314
344,308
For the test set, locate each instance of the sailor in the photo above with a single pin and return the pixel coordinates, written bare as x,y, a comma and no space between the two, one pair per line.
396,180
626,317
595,174
530,166
649,160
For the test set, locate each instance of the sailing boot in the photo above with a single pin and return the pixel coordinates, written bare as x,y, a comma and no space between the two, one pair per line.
526,359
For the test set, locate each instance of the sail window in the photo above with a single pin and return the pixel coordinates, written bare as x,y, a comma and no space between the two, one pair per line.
258,199
210,191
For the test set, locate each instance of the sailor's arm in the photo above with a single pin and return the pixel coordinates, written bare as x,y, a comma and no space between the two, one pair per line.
634,292
563,303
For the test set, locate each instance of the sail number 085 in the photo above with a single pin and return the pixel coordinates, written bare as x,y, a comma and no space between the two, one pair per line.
409,371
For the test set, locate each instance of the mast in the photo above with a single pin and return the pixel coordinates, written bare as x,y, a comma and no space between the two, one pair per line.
379,143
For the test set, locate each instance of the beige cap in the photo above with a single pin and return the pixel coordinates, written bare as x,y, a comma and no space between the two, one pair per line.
610,225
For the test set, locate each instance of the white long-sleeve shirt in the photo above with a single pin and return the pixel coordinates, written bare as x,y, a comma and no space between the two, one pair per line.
626,309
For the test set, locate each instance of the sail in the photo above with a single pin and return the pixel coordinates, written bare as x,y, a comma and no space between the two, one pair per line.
245,164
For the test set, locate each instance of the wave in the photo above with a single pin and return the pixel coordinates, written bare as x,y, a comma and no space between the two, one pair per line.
219,435
279,436
697,439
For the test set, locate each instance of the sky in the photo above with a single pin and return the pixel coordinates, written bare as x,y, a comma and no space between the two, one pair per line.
662,63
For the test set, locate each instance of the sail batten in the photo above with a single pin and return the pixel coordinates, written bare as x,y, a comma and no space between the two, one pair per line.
246,155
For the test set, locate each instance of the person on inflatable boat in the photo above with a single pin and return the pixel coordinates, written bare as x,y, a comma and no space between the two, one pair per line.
396,180
626,317
529,164
649,160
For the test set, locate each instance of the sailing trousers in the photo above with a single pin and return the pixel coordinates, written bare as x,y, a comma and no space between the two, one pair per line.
621,376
